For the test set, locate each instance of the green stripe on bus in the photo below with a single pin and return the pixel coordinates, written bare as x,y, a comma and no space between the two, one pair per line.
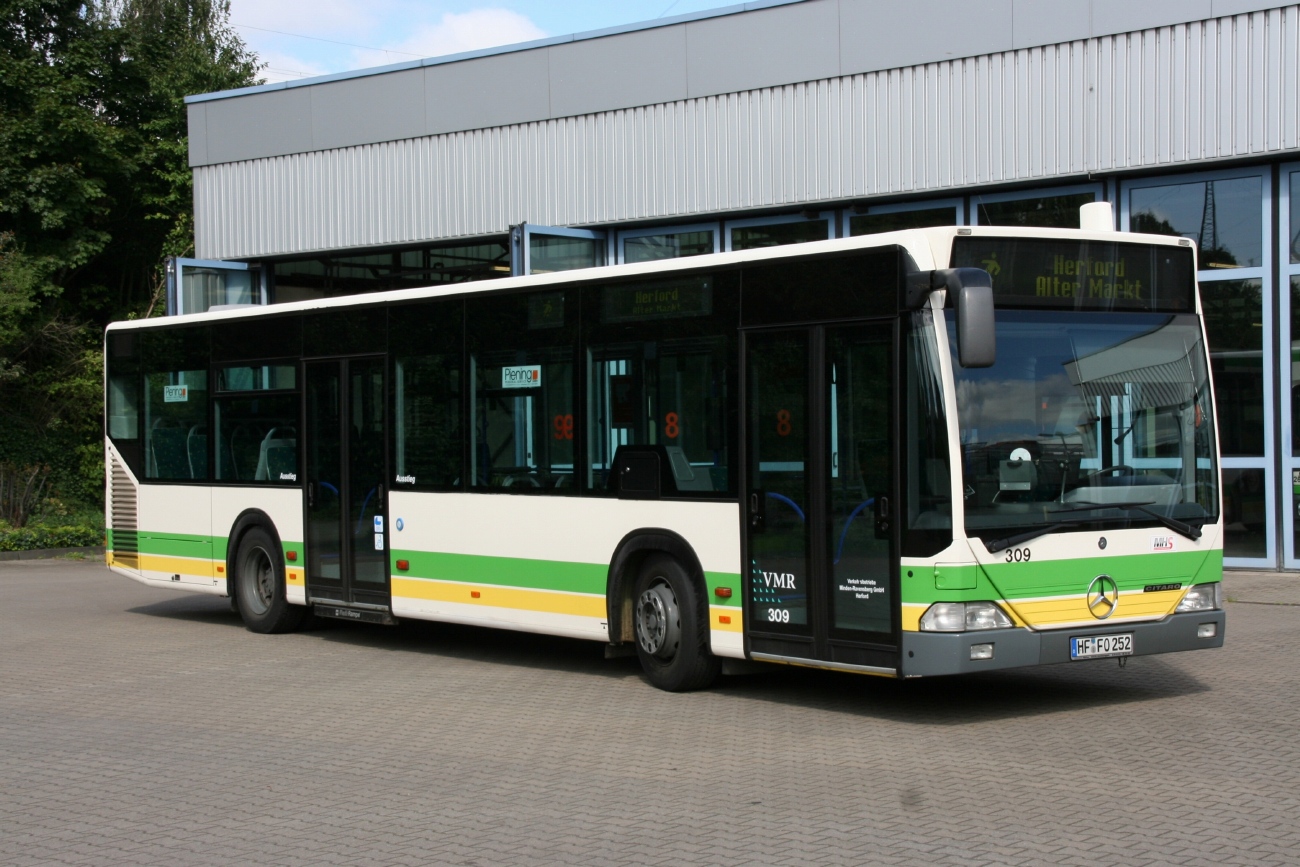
505,571
530,574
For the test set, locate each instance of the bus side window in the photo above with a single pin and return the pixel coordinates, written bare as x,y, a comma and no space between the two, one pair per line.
174,417
426,340
658,373
522,384
257,424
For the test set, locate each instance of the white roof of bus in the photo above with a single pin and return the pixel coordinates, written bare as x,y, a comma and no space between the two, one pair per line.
927,247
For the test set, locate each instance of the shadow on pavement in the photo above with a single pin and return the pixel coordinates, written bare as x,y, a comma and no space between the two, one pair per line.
952,701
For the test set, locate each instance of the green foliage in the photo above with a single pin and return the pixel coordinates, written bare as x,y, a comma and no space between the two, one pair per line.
32,538
95,190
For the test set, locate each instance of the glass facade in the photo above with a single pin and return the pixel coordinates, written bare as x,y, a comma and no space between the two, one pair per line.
1226,215
1248,244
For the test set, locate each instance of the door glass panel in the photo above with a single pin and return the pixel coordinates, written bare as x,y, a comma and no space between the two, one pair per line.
778,455
1245,513
324,453
366,472
1234,323
860,476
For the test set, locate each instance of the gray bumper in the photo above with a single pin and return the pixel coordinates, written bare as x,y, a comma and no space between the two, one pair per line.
930,653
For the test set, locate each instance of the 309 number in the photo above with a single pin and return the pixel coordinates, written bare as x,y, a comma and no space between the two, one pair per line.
1017,555
778,615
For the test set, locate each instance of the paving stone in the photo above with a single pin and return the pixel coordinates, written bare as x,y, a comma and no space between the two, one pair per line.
142,726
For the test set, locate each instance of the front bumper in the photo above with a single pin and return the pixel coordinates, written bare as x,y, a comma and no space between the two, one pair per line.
925,654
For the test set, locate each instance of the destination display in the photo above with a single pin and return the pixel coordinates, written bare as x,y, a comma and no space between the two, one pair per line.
1081,275
662,299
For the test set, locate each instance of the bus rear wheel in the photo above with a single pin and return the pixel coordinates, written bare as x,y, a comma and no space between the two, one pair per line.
260,587
671,626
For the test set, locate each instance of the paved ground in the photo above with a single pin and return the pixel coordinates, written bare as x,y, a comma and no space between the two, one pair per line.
139,726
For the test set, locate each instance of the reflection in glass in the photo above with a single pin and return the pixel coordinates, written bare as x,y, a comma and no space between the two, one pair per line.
1295,367
267,377
1234,323
861,403
649,248
176,425
204,288
776,234
1294,244
1110,410
1245,518
1048,212
1223,217
778,451
257,439
549,253
866,224
365,468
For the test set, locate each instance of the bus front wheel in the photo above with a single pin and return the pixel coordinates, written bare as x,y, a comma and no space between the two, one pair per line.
671,626
259,585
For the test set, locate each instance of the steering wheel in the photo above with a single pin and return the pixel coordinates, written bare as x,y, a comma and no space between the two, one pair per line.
1122,469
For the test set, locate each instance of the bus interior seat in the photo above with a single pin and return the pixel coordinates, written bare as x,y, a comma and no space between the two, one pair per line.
167,449
688,478
278,454
196,449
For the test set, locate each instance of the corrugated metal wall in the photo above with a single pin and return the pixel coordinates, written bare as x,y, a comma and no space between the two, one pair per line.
1219,89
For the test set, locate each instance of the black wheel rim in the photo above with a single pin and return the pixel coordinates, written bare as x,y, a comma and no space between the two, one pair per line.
257,581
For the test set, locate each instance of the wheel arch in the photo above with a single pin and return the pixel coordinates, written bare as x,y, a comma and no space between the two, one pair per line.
631,552
247,520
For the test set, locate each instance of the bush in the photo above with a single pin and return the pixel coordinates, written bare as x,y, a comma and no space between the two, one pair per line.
32,538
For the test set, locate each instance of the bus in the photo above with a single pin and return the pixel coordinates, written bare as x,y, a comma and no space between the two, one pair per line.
927,452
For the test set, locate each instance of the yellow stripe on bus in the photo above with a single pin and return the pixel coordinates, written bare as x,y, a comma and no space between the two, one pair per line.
1063,610
550,601
733,623
178,565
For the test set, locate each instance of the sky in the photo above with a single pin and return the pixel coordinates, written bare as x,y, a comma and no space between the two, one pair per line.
301,38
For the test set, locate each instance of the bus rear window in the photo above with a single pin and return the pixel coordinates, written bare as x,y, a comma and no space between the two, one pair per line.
1081,275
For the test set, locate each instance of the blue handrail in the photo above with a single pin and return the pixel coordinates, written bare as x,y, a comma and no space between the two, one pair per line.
839,550
789,502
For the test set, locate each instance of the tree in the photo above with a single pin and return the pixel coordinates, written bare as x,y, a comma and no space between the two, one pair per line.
95,190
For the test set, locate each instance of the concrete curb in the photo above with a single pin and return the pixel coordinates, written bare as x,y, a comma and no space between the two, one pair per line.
50,553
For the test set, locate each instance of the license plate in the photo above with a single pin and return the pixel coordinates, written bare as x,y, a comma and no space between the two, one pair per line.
1101,646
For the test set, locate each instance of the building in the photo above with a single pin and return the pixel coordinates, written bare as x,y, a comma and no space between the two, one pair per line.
783,121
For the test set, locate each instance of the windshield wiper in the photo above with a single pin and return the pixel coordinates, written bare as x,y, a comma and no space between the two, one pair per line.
1191,531
1010,541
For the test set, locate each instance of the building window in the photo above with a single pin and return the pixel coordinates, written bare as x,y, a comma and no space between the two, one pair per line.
892,219
650,245
1223,217
330,275
752,234
1053,210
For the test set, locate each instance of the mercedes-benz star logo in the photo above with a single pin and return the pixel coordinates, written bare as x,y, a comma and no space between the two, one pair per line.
1103,596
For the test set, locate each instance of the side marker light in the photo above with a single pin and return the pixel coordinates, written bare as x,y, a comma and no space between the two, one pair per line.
403,565
474,594
722,592
291,556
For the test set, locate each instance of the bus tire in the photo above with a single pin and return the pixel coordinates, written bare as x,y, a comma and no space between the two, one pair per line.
670,623
259,583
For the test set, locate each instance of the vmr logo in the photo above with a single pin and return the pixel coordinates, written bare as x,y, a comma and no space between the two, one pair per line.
779,580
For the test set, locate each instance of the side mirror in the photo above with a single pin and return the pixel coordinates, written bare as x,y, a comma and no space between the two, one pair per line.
971,290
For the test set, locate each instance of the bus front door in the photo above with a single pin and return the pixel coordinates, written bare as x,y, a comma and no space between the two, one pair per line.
347,561
820,484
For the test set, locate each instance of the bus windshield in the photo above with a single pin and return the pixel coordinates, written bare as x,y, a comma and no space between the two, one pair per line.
1087,418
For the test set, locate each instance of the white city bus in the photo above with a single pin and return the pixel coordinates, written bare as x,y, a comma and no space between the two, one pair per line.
917,453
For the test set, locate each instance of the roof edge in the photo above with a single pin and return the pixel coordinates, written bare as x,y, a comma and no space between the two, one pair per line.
545,42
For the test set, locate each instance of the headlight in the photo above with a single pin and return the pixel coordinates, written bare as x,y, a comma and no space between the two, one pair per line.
1202,597
963,617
